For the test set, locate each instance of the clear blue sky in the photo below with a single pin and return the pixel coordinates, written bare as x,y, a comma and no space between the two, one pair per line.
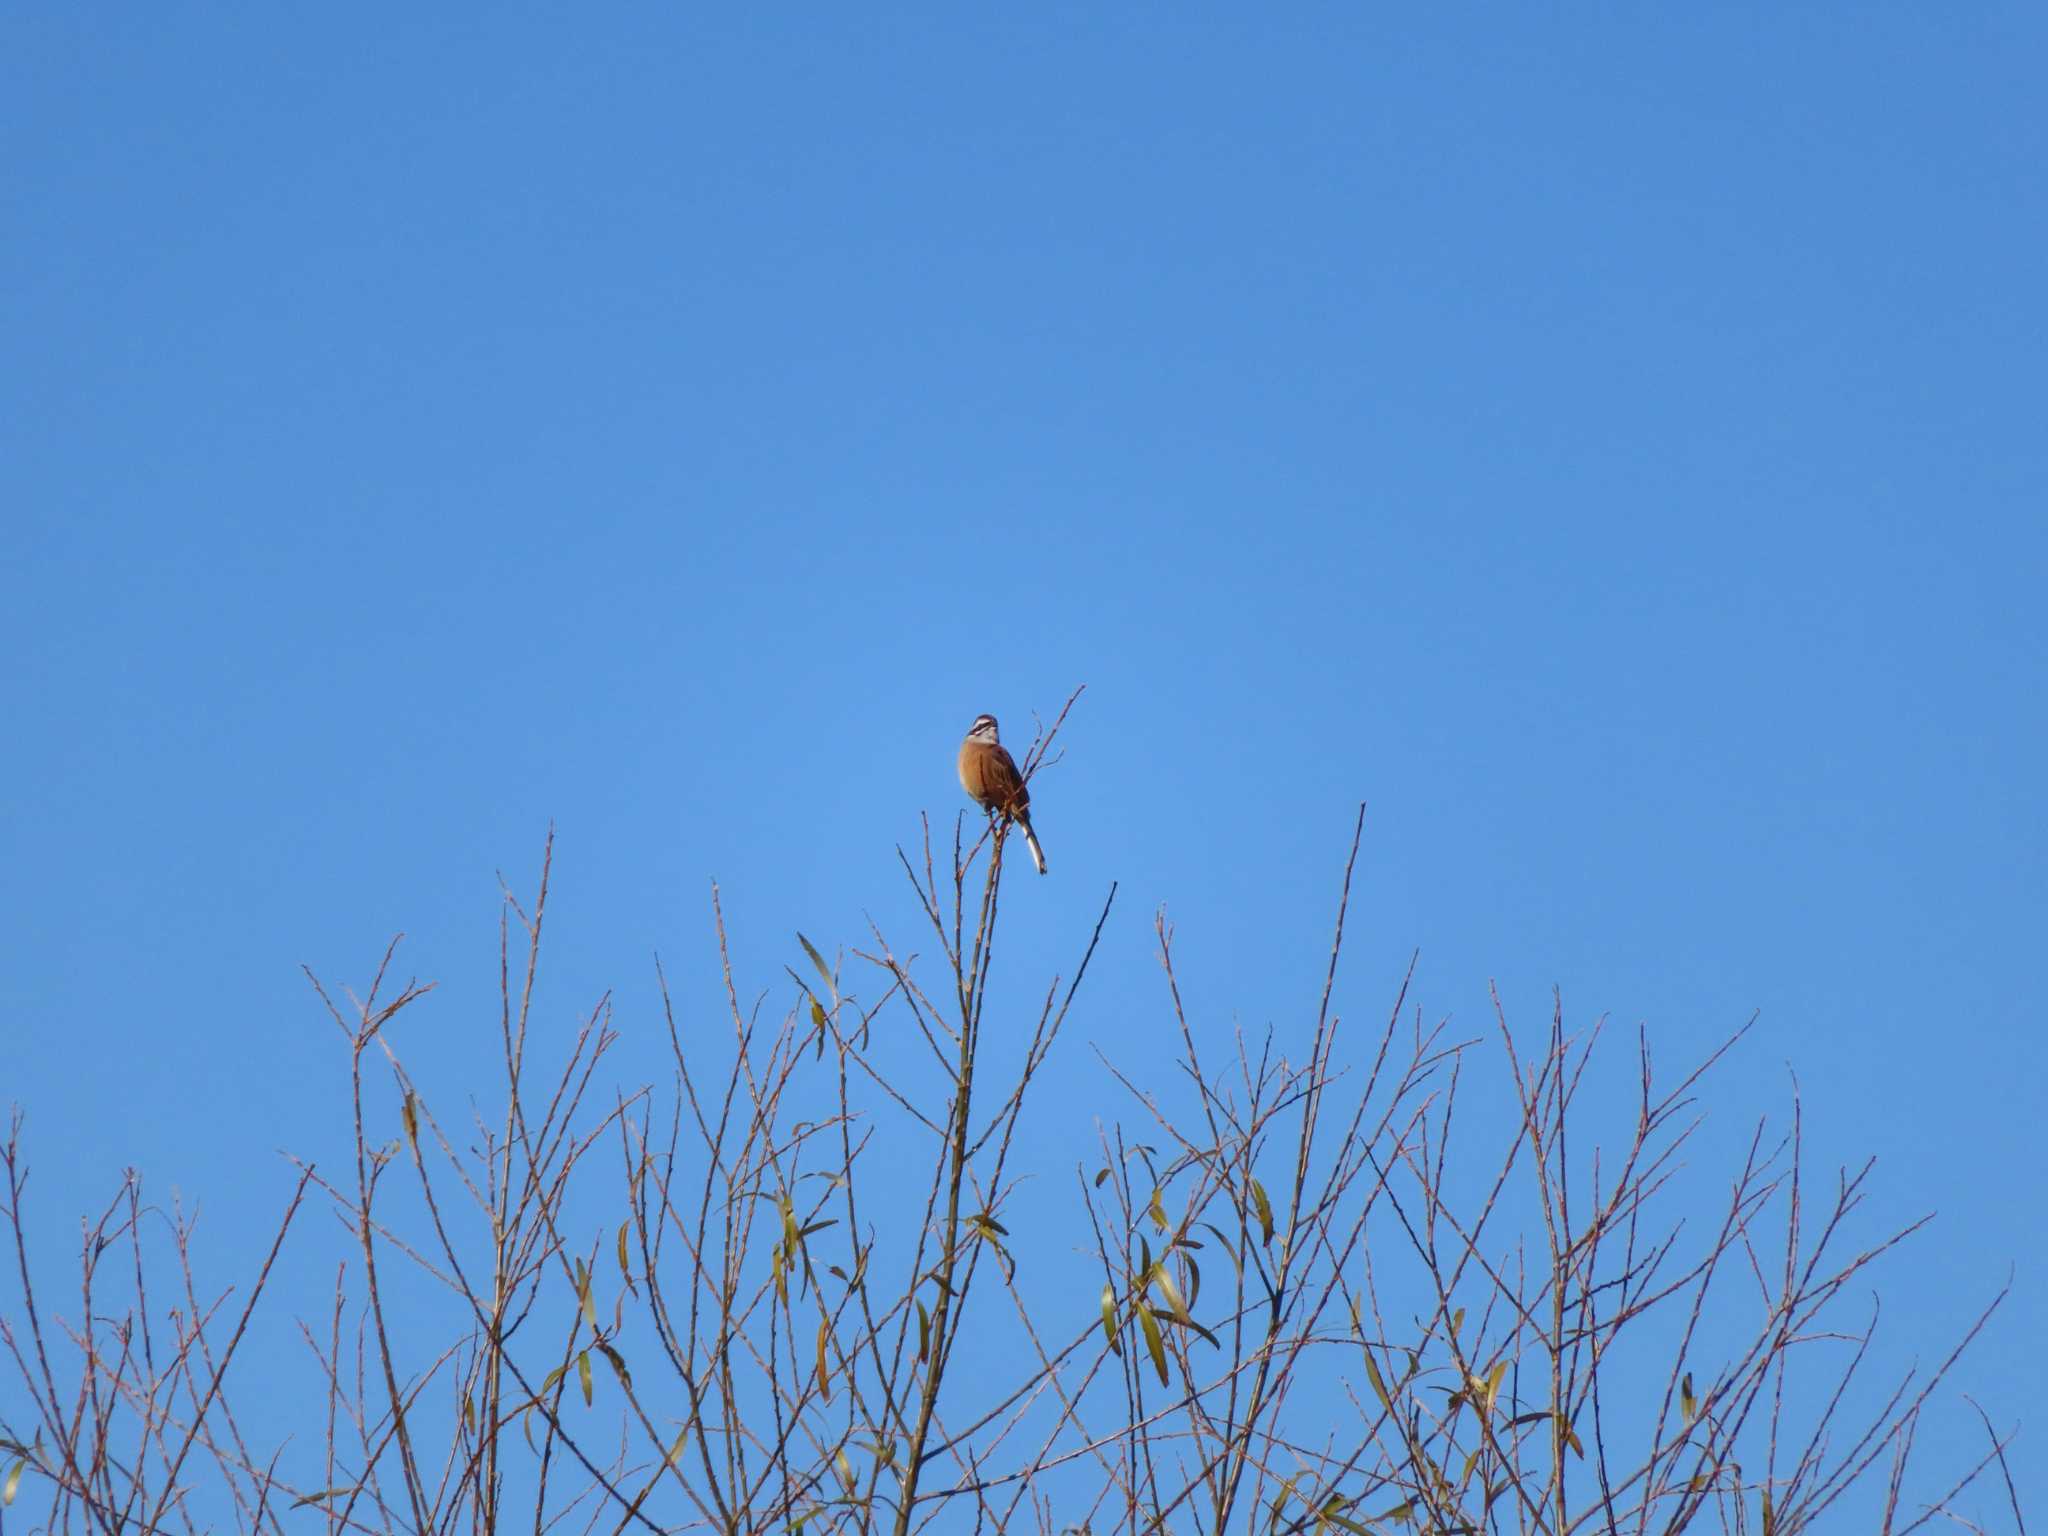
1608,441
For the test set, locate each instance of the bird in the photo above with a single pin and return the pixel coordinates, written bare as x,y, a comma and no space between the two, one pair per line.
989,775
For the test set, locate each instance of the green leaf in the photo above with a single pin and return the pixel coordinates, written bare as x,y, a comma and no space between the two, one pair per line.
1109,1320
1154,1344
548,1381
1280,1505
1235,1262
1493,1382
924,1333
1162,1281
824,1363
583,1293
818,960
1379,1387
7,1494
412,1120
583,1373
1457,1322
625,1268
1264,1208
618,1364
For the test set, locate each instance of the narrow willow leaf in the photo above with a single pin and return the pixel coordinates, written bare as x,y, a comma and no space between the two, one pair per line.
468,1413
583,1373
1379,1387
818,960
924,1333
412,1121
583,1293
7,1494
1688,1405
13,1484
1157,1210
548,1381
845,1470
625,1267
675,1452
1264,1208
824,1364
1235,1262
1493,1382
1154,1344
1162,1281
1280,1504
1100,1175
618,1364
1457,1322
1109,1320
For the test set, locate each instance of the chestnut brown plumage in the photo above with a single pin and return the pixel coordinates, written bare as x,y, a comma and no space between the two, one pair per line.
989,775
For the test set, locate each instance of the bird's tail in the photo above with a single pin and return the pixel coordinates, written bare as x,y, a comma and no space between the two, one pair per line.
1031,842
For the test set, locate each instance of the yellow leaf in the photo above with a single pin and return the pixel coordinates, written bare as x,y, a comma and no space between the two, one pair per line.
1109,1319
625,1268
13,1484
1688,1405
412,1121
583,1373
824,1365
